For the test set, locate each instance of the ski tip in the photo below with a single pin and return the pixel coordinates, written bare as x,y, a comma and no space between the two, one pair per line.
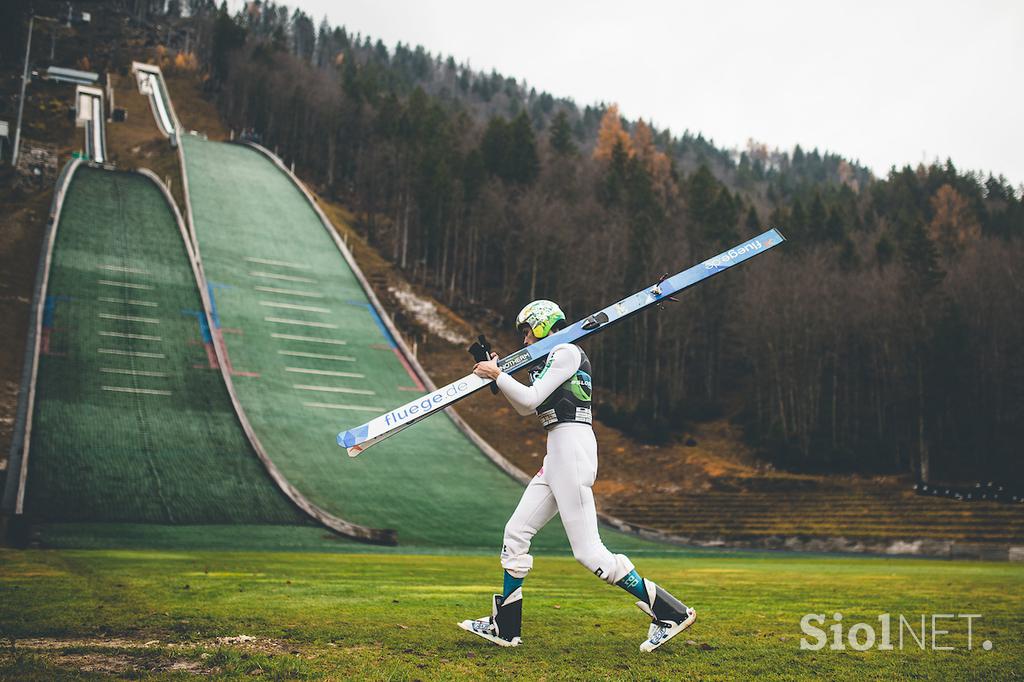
354,450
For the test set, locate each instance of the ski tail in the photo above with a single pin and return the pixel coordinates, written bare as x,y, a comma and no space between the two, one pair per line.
355,440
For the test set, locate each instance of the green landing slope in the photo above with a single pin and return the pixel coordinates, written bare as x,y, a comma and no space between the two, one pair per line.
310,358
131,422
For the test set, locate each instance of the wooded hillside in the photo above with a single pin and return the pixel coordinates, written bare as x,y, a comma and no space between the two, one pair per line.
887,335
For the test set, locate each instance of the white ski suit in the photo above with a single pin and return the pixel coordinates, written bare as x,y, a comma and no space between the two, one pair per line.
563,484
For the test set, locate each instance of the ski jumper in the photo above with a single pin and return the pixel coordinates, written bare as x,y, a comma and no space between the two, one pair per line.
560,395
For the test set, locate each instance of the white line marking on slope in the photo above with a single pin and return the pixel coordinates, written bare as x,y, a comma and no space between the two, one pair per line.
289,292
316,356
282,263
355,408
293,306
132,372
140,337
149,304
332,389
147,391
127,285
131,353
129,318
301,323
118,268
325,372
311,339
286,278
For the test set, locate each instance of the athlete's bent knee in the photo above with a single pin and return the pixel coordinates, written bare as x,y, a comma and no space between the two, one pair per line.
514,554
515,540
609,567
591,559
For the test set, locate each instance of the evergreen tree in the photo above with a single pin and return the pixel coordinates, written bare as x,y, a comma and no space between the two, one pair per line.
700,197
303,36
798,158
645,216
561,135
494,145
227,37
920,260
724,216
473,174
798,223
744,173
613,188
884,250
834,231
816,218
510,150
524,164
753,223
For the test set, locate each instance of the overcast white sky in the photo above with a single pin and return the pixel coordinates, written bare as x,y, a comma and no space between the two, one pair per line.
888,83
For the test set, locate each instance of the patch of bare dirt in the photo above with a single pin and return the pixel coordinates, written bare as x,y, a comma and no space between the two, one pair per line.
122,663
113,655
121,655
46,643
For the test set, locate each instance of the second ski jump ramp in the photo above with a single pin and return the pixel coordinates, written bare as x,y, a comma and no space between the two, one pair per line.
309,355
129,420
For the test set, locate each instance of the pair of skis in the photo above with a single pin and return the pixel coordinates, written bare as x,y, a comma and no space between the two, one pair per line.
386,425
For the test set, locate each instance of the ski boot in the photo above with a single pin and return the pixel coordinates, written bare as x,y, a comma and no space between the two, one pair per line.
504,625
669,616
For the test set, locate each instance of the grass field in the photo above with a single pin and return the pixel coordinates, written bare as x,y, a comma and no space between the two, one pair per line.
171,614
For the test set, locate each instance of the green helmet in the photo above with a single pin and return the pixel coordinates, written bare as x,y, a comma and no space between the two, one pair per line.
540,316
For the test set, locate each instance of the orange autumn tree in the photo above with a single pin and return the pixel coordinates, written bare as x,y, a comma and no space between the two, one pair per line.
639,147
954,225
186,61
610,134
654,161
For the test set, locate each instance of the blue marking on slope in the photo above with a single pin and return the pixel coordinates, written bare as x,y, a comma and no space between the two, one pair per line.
213,305
50,309
376,318
204,328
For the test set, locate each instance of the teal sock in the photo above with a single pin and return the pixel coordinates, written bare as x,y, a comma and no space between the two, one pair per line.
511,584
634,584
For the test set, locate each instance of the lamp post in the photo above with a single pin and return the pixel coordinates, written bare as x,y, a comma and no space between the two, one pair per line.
21,101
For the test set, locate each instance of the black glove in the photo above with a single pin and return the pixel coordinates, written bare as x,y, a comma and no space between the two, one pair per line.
481,352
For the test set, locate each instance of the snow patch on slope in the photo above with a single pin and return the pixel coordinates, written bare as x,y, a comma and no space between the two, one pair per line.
425,312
